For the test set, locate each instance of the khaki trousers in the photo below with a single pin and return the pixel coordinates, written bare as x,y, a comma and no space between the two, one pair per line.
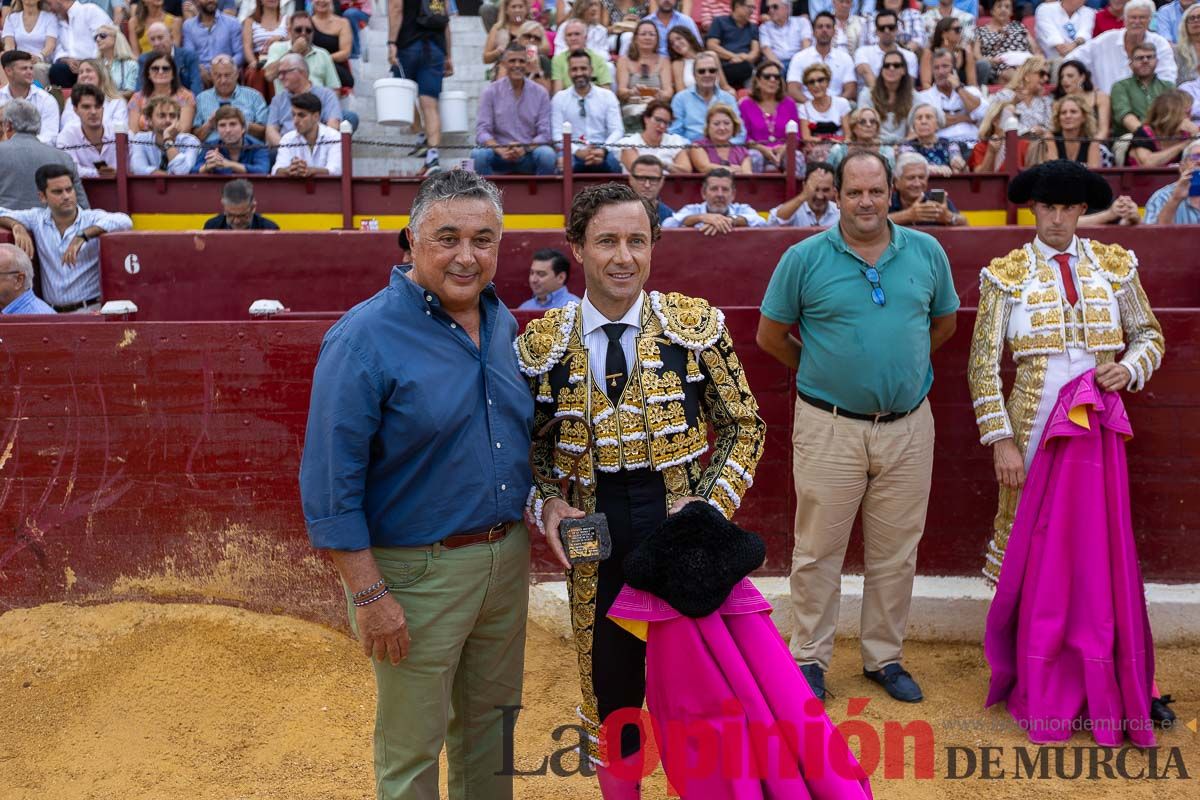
466,611
840,464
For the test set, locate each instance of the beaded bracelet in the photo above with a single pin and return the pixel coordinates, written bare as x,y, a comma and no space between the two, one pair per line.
369,600
369,590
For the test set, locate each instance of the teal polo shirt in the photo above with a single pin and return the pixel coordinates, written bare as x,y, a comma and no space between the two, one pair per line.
857,355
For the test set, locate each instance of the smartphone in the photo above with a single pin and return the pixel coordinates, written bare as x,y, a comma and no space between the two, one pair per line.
100,165
937,196
1194,186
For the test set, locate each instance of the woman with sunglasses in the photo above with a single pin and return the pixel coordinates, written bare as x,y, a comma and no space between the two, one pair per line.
1002,34
670,149
32,28
892,97
766,112
1187,46
947,34
148,13
533,36
642,74
118,60
160,74
1025,97
717,149
116,107
824,115
862,126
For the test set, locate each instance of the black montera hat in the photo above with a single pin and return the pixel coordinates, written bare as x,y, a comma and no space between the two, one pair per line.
1061,182
694,560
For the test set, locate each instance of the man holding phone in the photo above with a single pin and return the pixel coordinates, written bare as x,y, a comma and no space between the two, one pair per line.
1178,203
913,202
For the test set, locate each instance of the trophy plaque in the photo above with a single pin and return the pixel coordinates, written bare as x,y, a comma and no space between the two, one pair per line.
586,539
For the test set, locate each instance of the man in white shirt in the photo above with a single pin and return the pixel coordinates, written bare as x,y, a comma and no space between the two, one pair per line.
1062,27
18,68
89,141
78,23
869,59
842,82
718,213
814,207
782,35
594,114
962,106
164,149
1108,54
310,148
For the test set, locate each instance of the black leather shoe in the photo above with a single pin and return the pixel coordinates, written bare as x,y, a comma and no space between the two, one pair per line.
1159,713
897,682
815,678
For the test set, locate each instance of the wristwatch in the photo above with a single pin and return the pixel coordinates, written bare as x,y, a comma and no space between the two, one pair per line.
169,143
83,235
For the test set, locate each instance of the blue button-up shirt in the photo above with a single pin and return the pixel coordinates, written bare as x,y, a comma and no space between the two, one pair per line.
1185,213
414,433
27,303
225,36
64,285
249,101
556,299
677,21
254,156
691,113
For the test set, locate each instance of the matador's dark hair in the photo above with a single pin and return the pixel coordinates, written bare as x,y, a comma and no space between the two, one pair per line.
589,202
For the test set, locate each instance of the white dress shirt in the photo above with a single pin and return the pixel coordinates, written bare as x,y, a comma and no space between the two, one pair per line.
596,340
1053,26
85,155
746,212
115,112
805,217
839,62
872,55
47,107
145,156
785,40
960,131
1106,57
326,153
601,123
76,31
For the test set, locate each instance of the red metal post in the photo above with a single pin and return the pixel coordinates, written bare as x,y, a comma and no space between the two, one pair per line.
789,167
568,183
123,172
1012,165
347,178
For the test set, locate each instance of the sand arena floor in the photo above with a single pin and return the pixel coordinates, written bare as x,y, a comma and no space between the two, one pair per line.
136,701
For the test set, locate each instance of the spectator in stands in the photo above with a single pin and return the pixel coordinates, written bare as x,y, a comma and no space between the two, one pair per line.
591,14
159,73
735,40
642,73
16,283
869,59
623,17
152,12
823,116
1062,27
766,112
1071,135
667,18
1123,211
167,148
1109,18
1001,35
210,34
716,148
842,82
574,33
1075,78
671,150
1111,54
1165,134
862,134
911,33
946,9
1169,17
310,148
90,140
947,36
320,65
962,106
239,210
265,26
646,176
116,109
1175,204
512,128
814,207
64,237
18,69
892,96
358,14
691,106
910,200
184,59
512,15
232,150
332,33
227,92
293,72
988,154
22,154
683,49
782,35
1187,48
943,156
532,34
594,114
718,213
31,28
78,24
1132,96
114,55
1025,99
848,27
548,275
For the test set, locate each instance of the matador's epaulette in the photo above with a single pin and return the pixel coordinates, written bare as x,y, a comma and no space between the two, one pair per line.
1117,264
544,341
1010,272
690,322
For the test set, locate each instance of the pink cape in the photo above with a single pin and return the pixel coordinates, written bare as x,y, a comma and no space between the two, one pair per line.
1068,637
734,718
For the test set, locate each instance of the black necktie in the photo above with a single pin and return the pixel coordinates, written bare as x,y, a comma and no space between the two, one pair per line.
615,369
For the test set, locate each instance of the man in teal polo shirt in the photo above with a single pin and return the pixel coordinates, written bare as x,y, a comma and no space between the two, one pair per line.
873,300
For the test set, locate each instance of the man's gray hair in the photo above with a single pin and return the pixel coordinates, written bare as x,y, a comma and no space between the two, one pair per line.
23,116
294,60
19,261
1193,147
221,58
237,192
455,184
1133,5
908,159
573,22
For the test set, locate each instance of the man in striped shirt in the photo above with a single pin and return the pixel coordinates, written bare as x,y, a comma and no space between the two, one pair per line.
16,284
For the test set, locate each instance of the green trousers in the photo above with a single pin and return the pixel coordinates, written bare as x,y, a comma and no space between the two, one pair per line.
466,611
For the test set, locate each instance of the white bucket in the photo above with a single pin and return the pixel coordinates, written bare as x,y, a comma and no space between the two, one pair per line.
453,108
395,100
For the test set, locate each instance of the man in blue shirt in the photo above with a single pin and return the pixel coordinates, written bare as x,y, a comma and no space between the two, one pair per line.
16,284
211,34
548,276
690,106
646,177
1174,203
230,151
873,301
413,479
226,91
667,18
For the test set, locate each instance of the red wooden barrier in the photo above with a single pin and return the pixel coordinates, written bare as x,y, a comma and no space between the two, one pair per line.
144,454
217,275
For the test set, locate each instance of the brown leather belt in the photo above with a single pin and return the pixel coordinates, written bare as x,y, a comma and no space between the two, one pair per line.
492,534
